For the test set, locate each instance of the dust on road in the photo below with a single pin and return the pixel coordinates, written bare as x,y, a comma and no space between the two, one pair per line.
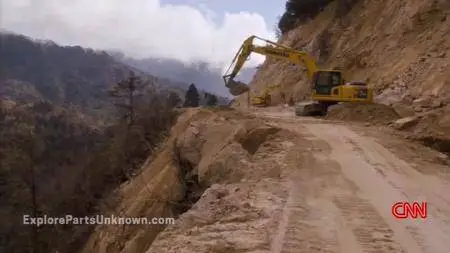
334,193
356,181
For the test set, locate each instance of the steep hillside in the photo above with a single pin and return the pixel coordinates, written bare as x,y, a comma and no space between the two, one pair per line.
400,47
57,155
55,162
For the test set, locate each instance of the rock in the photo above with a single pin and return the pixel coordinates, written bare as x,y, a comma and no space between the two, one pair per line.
418,109
404,123
422,103
189,145
403,111
442,157
436,103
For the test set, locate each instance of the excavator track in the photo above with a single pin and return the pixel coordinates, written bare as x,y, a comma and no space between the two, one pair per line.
310,108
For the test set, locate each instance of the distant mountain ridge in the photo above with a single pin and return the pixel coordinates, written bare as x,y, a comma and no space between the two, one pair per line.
200,73
34,70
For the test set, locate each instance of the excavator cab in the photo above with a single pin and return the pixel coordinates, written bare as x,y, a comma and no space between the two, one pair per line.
330,87
325,81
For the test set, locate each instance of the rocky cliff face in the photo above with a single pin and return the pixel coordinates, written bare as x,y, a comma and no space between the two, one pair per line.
402,48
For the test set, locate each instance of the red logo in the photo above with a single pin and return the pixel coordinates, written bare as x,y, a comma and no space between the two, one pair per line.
404,210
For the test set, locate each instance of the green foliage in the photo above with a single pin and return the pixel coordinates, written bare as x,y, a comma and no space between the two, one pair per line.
277,31
300,11
211,99
192,97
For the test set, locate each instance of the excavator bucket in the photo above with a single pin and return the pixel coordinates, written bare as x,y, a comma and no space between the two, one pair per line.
237,88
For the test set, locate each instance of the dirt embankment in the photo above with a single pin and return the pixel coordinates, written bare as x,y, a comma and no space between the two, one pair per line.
371,113
205,148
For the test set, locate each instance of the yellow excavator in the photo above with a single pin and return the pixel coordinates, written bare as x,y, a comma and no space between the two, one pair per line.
265,99
328,86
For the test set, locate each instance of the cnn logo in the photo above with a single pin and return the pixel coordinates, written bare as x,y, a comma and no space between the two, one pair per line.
414,210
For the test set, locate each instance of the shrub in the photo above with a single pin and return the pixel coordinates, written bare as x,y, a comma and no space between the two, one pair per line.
300,11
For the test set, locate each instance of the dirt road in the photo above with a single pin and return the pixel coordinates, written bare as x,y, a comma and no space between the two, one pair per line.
341,198
314,186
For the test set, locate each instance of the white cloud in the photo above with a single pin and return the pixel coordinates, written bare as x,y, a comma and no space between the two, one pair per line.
140,28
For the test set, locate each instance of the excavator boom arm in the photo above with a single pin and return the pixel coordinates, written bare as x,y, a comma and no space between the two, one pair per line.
272,49
240,58
291,55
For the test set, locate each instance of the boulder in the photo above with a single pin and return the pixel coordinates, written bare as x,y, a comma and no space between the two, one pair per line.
405,123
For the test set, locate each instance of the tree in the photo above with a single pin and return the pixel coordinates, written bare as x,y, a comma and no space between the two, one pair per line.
125,94
192,97
211,100
299,11
174,99
276,28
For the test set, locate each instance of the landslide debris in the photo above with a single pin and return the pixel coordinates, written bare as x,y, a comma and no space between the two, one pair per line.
431,128
252,139
370,113
237,217
205,148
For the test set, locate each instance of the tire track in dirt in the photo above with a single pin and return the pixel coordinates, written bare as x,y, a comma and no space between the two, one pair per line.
381,190
379,179
303,227
365,229
373,234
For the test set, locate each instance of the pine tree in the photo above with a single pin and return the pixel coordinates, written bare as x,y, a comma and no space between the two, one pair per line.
192,98
126,94
212,100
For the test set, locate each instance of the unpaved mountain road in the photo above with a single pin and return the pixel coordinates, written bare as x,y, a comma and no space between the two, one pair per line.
341,199
311,186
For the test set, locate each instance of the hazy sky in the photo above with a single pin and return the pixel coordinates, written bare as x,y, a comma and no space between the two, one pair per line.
188,30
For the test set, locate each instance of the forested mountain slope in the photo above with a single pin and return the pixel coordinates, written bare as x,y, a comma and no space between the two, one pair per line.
42,70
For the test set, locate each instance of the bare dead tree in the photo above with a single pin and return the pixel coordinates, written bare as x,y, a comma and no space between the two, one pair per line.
125,95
